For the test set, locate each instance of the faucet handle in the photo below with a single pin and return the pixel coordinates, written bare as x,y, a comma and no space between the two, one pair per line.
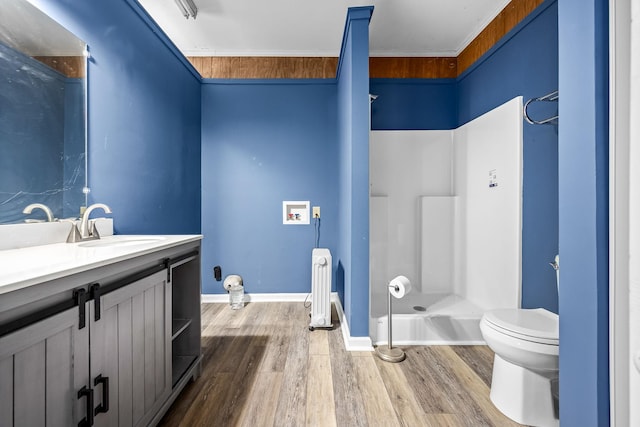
74,235
93,230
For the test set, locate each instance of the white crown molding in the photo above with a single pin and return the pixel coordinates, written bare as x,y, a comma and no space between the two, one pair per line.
316,54
480,27
265,53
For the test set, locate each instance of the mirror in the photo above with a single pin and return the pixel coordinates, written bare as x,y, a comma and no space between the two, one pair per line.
43,140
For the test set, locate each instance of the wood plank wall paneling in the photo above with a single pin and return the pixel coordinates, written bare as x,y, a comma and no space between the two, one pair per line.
70,66
415,67
264,67
508,18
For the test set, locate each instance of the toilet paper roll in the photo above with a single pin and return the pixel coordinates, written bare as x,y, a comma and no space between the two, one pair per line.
400,286
232,280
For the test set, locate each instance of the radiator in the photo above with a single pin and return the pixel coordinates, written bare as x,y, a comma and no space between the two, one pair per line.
320,289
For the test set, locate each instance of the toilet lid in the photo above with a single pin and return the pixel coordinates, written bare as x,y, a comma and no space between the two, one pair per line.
534,324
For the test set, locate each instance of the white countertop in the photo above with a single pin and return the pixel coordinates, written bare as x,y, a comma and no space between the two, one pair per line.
24,267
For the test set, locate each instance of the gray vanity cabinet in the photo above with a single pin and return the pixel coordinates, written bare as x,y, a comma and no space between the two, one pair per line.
131,348
111,346
125,351
42,369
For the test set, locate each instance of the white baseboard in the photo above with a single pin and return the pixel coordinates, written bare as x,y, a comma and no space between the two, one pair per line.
350,343
222,298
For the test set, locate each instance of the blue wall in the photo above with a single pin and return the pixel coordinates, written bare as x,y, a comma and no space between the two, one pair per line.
144,118
414,104
583,158
32,130
525,63
353,136
264,142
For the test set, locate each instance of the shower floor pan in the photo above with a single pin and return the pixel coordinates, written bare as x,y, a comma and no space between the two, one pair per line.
427,319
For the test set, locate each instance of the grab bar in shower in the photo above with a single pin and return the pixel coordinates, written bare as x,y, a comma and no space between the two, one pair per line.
553,96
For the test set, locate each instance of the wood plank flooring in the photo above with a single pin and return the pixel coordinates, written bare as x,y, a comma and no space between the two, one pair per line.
263,367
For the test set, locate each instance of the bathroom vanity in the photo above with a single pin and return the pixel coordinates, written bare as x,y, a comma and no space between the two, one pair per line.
103,332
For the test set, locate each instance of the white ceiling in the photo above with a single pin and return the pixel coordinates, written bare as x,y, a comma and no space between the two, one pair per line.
314,28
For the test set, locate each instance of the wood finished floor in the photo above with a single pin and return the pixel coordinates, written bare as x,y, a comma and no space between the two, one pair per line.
263,367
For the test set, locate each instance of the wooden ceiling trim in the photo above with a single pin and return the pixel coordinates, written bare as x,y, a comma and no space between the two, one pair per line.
70,66
507,19
413,67
264,67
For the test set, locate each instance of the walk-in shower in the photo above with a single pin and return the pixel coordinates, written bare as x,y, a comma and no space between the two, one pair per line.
445,211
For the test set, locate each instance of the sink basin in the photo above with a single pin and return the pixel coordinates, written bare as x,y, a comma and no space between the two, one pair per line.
118,242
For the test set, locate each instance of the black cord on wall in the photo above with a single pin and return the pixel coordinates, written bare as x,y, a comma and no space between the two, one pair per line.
316,226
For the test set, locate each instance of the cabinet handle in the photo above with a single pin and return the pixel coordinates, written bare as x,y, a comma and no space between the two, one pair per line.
94,291
167,265
88,393
104,406
80,297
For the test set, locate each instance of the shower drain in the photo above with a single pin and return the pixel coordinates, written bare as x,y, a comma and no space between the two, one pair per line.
419,308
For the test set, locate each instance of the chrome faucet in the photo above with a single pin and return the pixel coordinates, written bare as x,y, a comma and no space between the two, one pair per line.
45,208
85,232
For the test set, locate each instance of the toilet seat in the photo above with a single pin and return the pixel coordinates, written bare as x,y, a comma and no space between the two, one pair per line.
534,325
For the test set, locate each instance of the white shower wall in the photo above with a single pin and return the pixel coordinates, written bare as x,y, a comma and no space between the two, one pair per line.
434,216
403,166
437,220
488,150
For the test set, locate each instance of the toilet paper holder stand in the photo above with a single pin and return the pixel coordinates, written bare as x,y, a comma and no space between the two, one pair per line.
388,353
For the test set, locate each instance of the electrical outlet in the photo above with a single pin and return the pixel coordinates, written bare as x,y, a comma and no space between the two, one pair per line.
316,211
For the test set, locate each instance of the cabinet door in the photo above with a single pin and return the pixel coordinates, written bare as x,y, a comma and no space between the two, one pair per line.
130,348
42,368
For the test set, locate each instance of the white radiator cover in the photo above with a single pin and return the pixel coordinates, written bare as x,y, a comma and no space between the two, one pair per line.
320,288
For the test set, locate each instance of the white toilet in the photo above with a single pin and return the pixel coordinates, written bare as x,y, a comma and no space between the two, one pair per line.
525,342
